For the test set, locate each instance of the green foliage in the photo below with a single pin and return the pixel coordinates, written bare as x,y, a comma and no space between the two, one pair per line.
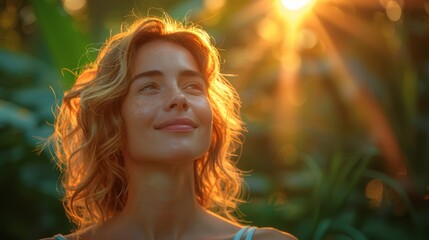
335,206
30,206
66,42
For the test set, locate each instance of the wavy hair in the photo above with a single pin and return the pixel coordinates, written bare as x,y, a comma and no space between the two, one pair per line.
89,129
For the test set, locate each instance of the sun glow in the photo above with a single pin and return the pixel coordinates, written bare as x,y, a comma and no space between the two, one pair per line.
295,5
307,38
294,11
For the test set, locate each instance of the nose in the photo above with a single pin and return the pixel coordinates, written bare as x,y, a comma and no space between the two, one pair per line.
178,101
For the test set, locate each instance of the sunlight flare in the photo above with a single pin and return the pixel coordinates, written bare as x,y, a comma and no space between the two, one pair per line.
294,11
296,5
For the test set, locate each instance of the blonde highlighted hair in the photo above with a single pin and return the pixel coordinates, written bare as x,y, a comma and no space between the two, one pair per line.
89,129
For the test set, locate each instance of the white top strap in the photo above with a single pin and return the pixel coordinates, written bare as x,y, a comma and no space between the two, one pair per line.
245,231
59,237
240,233
249,233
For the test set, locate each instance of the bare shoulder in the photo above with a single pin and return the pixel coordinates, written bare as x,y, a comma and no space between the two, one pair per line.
53,238
272,234
81,235
67,237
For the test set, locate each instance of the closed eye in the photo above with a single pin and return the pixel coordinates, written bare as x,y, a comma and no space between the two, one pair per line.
195,87
149,87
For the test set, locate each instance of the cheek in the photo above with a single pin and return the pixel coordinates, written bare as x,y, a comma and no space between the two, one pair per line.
207,113
137,113
132,115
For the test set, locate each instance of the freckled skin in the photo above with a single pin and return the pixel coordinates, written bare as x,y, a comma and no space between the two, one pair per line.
166,84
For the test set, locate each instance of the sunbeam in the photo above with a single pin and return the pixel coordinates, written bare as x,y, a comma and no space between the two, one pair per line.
305,25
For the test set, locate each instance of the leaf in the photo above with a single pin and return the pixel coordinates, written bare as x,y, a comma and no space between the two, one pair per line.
14,115
354,173
66,43
347,229
21,70
322,229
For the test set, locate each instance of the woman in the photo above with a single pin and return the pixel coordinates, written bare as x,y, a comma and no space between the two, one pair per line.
145,140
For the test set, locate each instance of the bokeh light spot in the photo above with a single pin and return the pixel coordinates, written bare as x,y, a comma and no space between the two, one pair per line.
8,18
214,5
74,6
374,191
269,31
393,11
307,39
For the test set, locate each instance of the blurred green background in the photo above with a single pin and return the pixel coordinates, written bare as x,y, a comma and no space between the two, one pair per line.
335,100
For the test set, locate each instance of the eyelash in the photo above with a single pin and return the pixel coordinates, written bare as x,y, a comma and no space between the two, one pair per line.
195,86
148,86
190,86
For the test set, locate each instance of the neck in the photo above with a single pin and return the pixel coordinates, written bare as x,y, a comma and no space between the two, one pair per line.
161,198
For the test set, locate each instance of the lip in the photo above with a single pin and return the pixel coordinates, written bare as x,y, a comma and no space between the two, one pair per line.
177,124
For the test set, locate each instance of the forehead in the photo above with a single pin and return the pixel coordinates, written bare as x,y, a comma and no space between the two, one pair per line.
162,53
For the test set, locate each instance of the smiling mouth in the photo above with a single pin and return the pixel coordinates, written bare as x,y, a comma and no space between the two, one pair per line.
177,125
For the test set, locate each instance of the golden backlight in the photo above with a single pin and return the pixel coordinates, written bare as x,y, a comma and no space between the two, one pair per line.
294,11
296,5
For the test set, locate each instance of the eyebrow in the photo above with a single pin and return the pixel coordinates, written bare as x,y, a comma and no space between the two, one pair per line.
156,73
153,73
191,73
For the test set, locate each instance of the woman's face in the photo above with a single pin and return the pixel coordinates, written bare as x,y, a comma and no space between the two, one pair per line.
166,111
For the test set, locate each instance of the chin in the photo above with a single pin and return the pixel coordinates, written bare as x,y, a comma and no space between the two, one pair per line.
181,157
